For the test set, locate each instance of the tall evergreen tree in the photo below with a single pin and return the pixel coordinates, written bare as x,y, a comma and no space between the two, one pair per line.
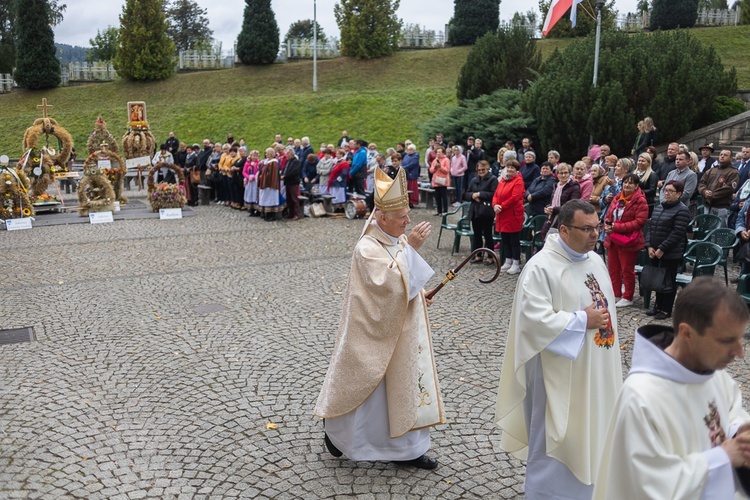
258,42
188,24
671,14
7,49
36,65
369,28
303,30
472,19
144,50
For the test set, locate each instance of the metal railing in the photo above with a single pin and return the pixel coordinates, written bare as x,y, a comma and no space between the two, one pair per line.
97,71
706,17
303,49
6,82
205,59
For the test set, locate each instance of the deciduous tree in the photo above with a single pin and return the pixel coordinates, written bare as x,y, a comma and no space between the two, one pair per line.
188,25
144,50
103,45
36,64
258,42
472,19
303,30
369,28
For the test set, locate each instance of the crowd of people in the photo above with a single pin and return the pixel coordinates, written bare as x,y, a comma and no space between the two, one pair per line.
625,191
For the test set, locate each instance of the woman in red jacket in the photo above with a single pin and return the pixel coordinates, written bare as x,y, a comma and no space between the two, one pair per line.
623,224
508,206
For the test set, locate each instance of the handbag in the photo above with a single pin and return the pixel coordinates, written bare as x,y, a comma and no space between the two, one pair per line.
655,279
440,181
625,239
195,177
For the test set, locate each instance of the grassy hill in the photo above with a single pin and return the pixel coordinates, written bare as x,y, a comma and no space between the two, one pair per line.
384,100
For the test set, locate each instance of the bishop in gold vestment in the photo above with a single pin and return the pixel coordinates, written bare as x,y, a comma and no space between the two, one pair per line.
381,392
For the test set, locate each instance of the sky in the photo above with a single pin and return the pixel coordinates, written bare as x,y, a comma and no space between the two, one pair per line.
83,18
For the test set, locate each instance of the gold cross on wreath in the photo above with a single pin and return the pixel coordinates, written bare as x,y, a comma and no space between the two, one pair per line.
44,107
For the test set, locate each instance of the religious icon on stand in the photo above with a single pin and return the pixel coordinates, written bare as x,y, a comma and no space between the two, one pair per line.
137,112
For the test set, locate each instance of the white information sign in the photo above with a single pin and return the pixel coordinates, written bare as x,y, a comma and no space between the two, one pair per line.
101,217
170,213
104,164
143,161
117,206
16,224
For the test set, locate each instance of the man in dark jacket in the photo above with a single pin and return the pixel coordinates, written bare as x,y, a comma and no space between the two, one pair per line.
717,186
474,154
292,176
172,143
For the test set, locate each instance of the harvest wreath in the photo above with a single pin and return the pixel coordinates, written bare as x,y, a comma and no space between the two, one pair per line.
164,194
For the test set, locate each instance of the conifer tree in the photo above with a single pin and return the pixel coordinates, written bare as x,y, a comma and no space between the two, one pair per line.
472,19
258,42
671,14
36,64
369,28
144,49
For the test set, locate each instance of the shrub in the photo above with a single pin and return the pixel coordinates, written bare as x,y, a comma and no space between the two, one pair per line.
495,118
369,28
726,107
507,59
639,75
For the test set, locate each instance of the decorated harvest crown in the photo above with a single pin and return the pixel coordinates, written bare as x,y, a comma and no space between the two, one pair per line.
391,194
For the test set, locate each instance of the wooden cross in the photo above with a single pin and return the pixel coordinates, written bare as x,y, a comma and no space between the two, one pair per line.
44,107
103,146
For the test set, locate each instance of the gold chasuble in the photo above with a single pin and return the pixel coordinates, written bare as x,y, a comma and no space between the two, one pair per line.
383,335
581,392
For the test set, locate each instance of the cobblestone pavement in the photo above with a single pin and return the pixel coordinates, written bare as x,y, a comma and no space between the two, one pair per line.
182,359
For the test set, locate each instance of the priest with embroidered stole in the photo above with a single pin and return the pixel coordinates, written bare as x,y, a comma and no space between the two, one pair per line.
381,394
561,368
679,429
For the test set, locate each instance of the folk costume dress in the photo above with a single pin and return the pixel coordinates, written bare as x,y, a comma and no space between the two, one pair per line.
668,425
250,173
559,381
381,392
269,186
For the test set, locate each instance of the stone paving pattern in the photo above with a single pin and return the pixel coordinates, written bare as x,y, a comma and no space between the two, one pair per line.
182,359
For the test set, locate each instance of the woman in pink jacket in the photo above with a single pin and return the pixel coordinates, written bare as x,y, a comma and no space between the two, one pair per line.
441,179
508,206
458,168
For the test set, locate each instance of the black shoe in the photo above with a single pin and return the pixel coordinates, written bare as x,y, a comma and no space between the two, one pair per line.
423,462
650,312
476,261
331,448
662,315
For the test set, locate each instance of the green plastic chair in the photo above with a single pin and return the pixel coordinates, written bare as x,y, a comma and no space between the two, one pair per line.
702,224
743,287
531,235
706,256
449,226
727,240
463,229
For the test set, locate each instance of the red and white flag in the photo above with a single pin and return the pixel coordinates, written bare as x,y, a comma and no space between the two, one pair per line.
557,9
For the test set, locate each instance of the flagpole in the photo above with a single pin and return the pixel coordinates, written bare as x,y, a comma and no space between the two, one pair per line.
599,7
315,46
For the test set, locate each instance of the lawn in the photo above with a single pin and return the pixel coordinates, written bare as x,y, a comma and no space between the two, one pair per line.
383,100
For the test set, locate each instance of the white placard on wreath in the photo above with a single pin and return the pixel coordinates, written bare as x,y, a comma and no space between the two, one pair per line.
142,161
104,164
16,224
170,213
101,217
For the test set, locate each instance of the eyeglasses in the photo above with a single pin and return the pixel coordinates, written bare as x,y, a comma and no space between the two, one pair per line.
670,191
587,229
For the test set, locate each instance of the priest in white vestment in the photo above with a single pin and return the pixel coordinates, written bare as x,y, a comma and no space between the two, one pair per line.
679,429
381,394
561,368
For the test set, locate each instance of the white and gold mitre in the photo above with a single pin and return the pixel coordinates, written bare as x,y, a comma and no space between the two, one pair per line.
391,194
